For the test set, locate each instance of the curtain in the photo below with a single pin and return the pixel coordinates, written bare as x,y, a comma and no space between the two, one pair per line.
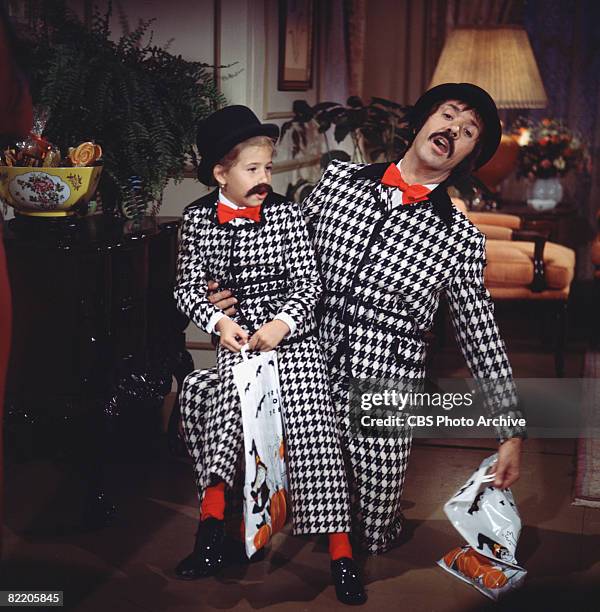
334,75
565,39
404,40
355,13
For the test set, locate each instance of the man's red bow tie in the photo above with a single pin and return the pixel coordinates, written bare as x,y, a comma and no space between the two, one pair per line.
226,213
410,193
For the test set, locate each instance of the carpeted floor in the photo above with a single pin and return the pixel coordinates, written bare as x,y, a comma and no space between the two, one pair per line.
128,566
587,482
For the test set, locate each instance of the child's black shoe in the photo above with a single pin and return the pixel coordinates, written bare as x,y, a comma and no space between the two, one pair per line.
207,556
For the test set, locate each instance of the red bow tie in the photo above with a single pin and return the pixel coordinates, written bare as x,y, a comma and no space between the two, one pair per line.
410,193
226,213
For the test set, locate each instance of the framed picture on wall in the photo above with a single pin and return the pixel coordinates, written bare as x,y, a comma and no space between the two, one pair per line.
296,43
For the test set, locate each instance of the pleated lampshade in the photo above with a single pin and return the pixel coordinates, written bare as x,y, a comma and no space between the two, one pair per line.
500,60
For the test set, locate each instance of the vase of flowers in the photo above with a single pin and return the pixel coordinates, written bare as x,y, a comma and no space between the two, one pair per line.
545,193
548,150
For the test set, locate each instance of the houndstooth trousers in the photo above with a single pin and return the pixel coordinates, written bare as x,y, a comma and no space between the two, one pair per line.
270,267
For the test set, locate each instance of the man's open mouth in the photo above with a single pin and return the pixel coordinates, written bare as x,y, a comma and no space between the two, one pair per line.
443,144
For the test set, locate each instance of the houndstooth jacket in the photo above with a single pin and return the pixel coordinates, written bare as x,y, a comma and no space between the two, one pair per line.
268,265
384,269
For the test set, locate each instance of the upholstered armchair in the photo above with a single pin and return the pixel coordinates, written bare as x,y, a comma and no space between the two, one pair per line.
525,266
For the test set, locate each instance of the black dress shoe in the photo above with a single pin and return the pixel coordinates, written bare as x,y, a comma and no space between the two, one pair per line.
207,556
348,587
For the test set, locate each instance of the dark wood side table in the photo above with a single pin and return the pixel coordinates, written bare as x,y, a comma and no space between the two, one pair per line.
560,224
97,339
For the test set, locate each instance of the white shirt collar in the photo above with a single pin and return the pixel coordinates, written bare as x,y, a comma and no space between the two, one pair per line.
225,200
430,186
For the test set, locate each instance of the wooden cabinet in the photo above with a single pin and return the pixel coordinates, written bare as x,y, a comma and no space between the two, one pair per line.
97,337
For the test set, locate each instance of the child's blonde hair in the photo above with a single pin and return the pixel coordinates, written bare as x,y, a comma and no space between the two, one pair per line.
229,160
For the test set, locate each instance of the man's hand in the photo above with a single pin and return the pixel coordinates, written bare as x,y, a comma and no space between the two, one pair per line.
233,337
222,299
269,336
509,461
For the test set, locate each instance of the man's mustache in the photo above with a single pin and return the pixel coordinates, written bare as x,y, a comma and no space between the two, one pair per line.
260,188
447,135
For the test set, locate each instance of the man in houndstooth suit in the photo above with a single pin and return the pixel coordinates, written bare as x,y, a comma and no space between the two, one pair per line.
389,242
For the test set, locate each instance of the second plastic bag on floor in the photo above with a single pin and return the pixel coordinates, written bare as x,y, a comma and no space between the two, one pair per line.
488,519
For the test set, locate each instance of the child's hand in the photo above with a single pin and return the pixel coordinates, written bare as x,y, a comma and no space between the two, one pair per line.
269,336
233,337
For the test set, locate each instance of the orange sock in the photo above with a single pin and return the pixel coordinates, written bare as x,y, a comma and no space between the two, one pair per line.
213,504
339,546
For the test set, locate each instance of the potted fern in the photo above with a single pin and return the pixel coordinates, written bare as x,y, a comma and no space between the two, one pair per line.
137,100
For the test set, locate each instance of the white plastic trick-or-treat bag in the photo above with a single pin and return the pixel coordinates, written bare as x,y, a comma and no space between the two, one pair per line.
489,521
265,481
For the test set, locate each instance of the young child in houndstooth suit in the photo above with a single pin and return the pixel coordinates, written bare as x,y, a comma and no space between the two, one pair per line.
255,243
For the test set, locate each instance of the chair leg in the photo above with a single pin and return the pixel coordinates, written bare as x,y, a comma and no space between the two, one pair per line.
561,335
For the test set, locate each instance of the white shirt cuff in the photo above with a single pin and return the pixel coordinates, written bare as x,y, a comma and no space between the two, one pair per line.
282,316
212,322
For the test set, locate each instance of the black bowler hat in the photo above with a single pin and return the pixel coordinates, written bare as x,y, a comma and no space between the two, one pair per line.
221,131
473,96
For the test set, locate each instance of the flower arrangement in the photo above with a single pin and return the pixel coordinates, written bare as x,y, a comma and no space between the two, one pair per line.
548,148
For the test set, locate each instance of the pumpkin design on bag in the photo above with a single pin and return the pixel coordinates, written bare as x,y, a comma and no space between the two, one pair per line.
450,557
262,535
278,510
494,578
475,566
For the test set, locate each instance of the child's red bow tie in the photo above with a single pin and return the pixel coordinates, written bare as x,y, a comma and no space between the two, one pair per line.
410,193
226,213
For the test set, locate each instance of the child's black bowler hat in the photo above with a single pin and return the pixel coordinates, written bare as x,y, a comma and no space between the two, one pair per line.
221,131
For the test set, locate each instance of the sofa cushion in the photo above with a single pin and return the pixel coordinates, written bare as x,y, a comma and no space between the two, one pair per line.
510,264
495,232
492,218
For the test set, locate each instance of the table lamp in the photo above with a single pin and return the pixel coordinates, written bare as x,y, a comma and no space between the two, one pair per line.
500,60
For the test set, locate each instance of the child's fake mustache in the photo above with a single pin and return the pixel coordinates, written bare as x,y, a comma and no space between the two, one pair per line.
259,189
